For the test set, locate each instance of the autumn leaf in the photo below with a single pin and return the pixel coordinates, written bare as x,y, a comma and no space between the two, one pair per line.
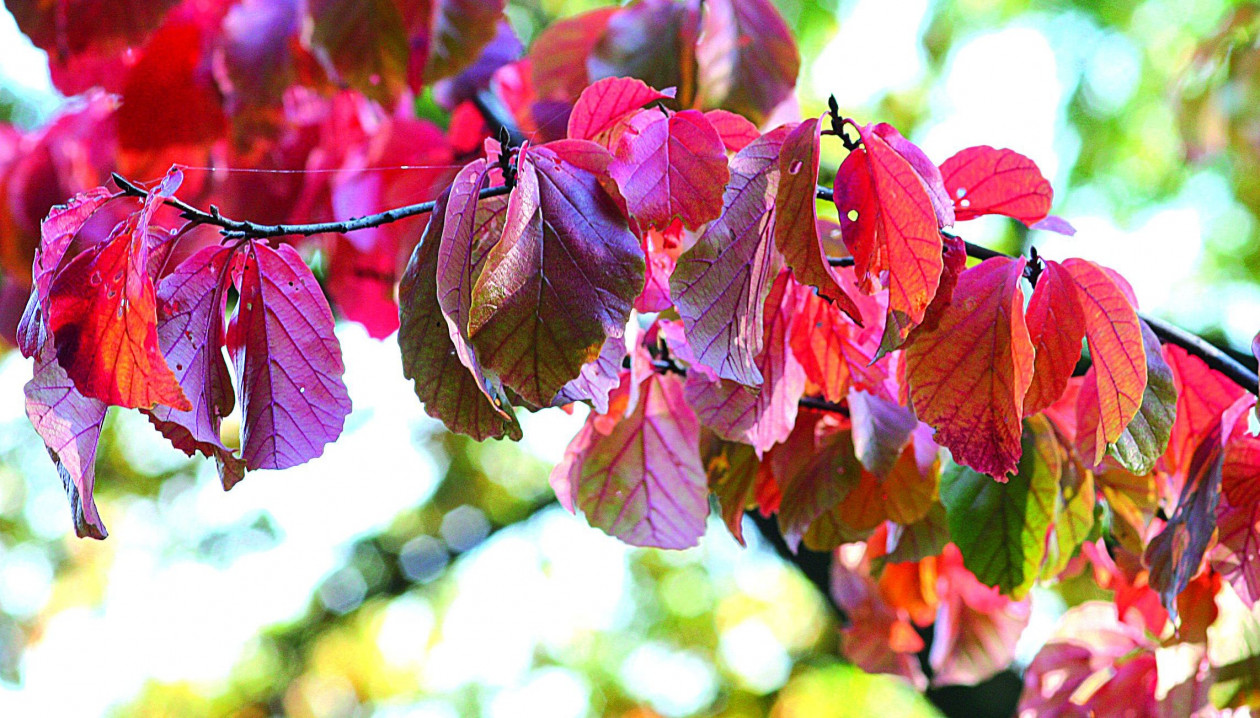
1145,439
191,310
732,469
720,284
890,225
448,389
607,103
70,425
642,480
1115,347
748,61
983,180
102,312
796,231
561,280
1056,325
670,166
974,399
293,401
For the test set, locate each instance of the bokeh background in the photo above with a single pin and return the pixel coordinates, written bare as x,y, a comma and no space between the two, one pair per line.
408,572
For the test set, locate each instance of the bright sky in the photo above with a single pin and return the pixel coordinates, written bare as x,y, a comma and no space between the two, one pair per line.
168,616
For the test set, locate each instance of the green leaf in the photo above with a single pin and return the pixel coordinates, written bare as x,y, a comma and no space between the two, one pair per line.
1001,528
1146,437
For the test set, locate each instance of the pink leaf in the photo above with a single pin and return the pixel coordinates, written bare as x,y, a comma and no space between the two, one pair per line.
720,284
762,417
736,131
641,480
982,180
287,360
70,425
881,429
671,166
597,378
191,308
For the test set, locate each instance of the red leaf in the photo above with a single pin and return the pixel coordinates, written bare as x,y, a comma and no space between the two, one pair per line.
1202,395
288,362
747,57
982,180
889,225
1056,325
815,469
70,425
796,229
561,280
834,352
974,399
1115,346
102,312
720,284
641,479
607,102
448,389
191,308
927,171
169,96
365,43
558,55
735,130
670,166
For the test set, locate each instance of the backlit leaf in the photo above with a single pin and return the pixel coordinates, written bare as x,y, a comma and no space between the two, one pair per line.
796,231
606,102
102,311
1056,325
70,425
288,363
732,471
747,57
670,166
1145,439
974,399
720,284
642,480
983,180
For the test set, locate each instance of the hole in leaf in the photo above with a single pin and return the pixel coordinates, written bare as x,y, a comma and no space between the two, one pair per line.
795,167
965,203
179,367
95,278
962,192
852,215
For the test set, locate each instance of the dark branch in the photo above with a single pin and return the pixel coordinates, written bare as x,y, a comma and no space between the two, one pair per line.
241,229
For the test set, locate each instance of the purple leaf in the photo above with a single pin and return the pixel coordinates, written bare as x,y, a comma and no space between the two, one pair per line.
70,425
561,280
449,391
1055,223
597,378
457,31
468,225
287,360
641,479
748,59
815,469
720,284
760,417
1237,554
191,308
671,166
1174,555
505,47
881,429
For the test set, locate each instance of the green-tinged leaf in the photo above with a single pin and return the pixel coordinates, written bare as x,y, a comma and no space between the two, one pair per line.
923,538
732,471
1146,437
1001,527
